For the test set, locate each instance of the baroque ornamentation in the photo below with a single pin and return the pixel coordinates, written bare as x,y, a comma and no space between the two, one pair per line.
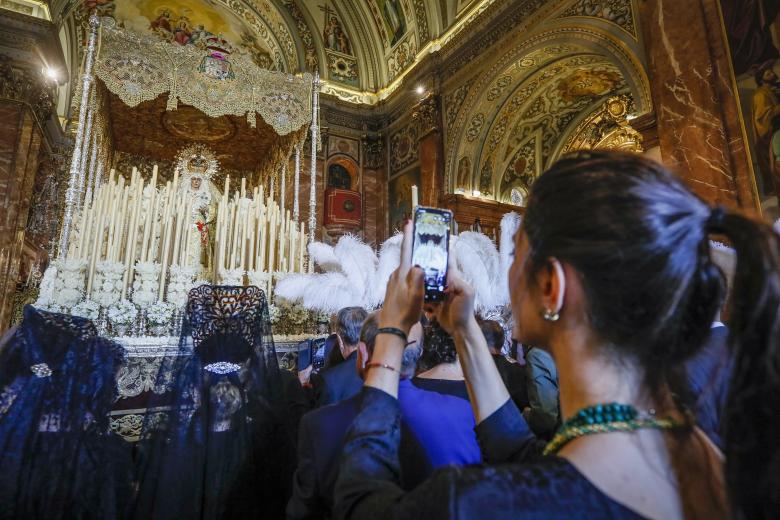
373,150
304,33
618,12
422,21
452,103
426,114
403,147
402,56
607,128
22,86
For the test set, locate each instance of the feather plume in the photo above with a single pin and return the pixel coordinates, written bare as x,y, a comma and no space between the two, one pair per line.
330,292
323,256
510,223
474,268
389,260
292,287
358,263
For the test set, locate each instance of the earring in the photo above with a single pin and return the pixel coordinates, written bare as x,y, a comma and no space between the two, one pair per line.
550,315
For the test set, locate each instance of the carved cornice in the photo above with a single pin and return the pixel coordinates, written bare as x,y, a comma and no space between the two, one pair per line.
32,89
427,115
373,150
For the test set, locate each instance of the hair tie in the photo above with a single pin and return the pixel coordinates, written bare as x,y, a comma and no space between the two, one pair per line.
715,221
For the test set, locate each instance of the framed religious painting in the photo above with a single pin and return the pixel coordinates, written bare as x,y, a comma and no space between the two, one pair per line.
399,194
753,31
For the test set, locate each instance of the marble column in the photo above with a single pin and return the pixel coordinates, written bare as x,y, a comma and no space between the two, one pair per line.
693,88
20,143
430,150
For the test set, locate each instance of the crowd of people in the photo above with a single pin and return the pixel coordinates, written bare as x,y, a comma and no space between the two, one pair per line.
639,378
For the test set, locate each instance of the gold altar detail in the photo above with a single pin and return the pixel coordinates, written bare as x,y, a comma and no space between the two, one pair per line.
607,128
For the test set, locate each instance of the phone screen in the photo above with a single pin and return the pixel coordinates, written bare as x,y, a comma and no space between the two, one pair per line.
430,249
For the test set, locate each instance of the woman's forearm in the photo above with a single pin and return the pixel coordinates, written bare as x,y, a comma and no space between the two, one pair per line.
485,386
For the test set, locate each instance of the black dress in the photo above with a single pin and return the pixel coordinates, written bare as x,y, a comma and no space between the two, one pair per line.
540,487
223,448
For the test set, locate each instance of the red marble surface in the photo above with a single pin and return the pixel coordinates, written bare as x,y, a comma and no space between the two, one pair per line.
693,92
431,157
20,142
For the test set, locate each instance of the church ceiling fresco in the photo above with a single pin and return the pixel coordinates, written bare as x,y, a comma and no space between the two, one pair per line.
251,27
362,49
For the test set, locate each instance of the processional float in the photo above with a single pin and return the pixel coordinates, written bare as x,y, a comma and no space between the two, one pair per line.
130,238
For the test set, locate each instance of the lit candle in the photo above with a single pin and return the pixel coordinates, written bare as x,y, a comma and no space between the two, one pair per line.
415,200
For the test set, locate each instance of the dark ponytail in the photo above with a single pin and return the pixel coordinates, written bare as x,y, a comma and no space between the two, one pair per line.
752,419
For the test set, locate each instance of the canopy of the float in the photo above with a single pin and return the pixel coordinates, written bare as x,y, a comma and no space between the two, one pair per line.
139,67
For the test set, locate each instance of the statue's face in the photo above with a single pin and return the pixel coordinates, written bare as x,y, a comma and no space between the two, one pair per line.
769,76
195,183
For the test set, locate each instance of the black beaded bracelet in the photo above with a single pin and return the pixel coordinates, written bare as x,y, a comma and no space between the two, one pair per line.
394,331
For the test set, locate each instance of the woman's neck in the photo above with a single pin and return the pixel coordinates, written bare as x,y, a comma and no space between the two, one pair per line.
448,371
590,373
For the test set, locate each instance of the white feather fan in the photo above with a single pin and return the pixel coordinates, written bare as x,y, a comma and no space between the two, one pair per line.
330,292
389,260
323,256
510,223
474,268
292,287
358,263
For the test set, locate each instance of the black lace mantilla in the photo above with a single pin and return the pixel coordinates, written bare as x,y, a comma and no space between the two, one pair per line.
213,309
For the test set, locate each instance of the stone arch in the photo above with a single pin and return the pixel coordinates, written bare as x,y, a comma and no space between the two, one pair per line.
493,89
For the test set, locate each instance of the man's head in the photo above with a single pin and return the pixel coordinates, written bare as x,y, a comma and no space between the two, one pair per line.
494,335
368,335
765,75
348,323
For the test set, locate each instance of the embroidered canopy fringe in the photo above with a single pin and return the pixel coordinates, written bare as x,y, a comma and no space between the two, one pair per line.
138,67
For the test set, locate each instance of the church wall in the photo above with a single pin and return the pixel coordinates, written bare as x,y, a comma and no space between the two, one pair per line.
700,133
20,143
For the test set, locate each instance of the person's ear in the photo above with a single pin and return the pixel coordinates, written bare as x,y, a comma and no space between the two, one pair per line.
552,283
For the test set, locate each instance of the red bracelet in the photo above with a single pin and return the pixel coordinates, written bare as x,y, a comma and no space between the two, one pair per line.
381,365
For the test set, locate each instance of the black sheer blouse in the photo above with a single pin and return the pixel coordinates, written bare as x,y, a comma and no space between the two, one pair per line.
540,487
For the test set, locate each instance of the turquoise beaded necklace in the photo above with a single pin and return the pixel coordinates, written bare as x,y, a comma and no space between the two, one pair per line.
611,417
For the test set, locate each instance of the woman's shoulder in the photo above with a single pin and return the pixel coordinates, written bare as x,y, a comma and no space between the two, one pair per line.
548,488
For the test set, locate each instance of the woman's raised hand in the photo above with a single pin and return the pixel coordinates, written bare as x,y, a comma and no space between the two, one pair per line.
405,290
456,312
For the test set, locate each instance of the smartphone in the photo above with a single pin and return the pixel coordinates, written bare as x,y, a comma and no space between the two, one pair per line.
431,248
304,355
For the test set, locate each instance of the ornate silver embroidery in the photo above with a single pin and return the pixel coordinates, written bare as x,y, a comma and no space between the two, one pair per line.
41,370
222,367
139,375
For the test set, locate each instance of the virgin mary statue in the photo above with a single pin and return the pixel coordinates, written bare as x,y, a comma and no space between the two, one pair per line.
197,166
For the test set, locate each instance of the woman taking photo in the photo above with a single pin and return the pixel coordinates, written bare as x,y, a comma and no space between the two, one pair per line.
612,272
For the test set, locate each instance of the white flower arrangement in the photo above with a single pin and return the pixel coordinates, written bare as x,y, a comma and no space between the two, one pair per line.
86,309
160,313
122,312
48,306
322,317
274,313
296,314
